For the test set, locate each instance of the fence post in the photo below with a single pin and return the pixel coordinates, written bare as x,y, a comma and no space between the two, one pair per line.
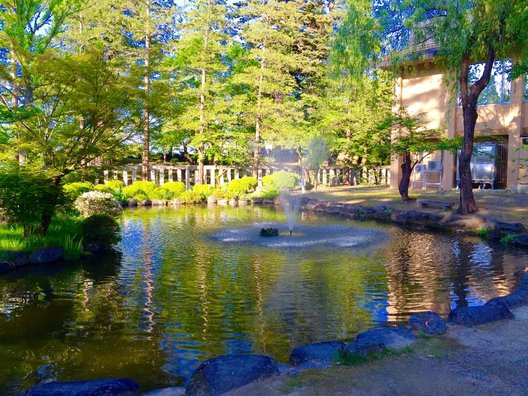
187,178
125,177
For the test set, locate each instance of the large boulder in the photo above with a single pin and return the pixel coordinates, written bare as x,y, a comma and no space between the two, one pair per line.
521,240
387,337
317,353
472,316
429,323
517,298
224,373
113,386
46,255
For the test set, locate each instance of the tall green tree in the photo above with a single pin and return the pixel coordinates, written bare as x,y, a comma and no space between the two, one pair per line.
464,32
199,61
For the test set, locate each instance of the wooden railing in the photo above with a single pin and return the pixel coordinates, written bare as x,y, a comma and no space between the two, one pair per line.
220,175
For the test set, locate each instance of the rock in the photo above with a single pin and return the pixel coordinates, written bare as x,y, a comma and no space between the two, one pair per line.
363,348
326,353
146,202
132,203
509,228
518,298
269,232
175,202
472,316
211,199
20,259
429,323
117,386
173,391
224,373
523,283
159,202
6,266
389,337
46,255
521,240
95,248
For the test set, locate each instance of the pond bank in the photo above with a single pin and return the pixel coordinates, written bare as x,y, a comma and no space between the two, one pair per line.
484,360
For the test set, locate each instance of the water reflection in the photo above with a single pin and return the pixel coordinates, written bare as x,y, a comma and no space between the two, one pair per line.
174,295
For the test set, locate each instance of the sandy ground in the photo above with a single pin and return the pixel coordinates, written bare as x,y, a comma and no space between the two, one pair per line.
485,360
500,205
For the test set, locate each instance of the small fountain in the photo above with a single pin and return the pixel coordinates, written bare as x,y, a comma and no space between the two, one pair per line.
291,204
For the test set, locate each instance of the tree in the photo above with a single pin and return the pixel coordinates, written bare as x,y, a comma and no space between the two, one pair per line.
413,142
463,32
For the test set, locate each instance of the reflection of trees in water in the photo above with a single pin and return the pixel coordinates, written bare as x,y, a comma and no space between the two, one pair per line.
466,270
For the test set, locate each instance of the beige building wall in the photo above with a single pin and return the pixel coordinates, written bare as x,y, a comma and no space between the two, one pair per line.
421,89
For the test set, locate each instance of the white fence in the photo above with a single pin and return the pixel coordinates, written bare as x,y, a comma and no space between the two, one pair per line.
220,175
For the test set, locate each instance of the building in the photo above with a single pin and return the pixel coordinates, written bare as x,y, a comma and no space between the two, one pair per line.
502,121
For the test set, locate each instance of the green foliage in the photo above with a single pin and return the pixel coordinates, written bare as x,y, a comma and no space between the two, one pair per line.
204,190
140,197
144,188
26,195
64,231
191,197
72,191
270,192
239,187
175,188
97,203
101,229
161,194
281,181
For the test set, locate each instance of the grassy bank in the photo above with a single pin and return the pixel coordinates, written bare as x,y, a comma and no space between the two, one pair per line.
64,232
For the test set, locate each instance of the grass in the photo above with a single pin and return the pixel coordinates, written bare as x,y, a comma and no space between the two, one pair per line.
64,232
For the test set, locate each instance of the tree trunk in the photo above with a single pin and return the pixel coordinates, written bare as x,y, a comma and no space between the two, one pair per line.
258,121
47,217
469,96
405,182
146,115
201,146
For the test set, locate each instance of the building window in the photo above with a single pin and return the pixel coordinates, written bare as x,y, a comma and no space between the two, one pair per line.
498,90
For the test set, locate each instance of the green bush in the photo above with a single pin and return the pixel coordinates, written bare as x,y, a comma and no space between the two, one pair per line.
176,188
239,187
191,197
140,197
97,203
161,194
204,190
72,191
101,229
281,181
139,187
268,193
26,196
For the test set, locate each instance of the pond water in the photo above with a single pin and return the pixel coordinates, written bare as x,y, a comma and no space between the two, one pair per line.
188,284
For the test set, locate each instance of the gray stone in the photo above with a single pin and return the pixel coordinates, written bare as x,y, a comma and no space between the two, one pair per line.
472,316
326,353
389,337
132,203
429,323
523,282
518,298
224,373
146,202
20,259
507,228
114,386
521,240
172,391
46,255
6,266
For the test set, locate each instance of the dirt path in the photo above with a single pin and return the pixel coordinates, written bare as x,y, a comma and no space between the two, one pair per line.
484,360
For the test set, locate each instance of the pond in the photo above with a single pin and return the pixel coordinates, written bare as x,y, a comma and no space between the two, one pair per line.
188,284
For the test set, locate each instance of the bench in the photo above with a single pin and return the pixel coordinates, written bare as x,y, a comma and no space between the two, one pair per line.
428,203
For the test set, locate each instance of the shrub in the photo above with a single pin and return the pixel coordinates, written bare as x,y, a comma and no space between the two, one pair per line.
268,193
239,187
139,187
191,197
72,191
281,181
176,188
101,229
97,203
161,194
204,190
140,197
27,196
